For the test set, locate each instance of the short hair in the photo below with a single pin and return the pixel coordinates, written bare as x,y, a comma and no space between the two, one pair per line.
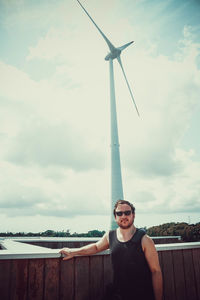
120,201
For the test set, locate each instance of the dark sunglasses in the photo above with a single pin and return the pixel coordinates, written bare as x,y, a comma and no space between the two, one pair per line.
126,213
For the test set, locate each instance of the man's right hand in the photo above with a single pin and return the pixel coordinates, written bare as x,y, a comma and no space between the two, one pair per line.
67,252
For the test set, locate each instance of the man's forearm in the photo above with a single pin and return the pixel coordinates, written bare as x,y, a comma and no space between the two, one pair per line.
90,249
157,285
85,250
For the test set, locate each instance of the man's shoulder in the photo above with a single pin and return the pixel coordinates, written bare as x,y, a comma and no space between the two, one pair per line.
141,230
110,234
140,233
103,243
147,241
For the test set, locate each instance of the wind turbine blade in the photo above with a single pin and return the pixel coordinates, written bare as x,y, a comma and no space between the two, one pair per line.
125,46
120,62
110,45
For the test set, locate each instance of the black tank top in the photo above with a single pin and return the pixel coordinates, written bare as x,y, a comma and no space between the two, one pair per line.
131,273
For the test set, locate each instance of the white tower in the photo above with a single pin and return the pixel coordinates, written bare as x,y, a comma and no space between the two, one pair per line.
116,177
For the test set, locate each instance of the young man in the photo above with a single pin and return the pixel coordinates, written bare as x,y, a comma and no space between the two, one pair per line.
136,270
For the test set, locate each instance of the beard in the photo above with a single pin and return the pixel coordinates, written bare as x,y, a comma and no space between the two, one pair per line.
123,226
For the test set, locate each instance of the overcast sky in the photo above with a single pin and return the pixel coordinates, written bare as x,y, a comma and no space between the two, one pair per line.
54,112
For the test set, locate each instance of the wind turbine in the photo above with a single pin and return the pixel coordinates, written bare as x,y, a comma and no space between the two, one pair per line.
116,177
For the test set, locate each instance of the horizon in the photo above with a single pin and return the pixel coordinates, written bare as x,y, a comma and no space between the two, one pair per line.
94,229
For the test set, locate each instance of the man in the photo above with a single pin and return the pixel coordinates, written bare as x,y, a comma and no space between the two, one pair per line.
136,270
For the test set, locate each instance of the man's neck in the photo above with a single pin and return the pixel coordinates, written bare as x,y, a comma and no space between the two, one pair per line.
126,233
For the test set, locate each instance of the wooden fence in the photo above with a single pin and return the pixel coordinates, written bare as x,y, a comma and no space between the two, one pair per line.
85,278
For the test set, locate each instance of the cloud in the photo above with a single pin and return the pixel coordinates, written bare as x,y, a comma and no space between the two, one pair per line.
26,14
173,194
34,191
46,124
167,93
46,145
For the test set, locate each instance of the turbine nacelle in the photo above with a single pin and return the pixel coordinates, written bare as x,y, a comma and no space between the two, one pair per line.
115,52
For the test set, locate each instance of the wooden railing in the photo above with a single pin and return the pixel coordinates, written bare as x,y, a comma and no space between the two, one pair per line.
181,273
41,274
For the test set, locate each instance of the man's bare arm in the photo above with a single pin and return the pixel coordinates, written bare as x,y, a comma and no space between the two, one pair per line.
90,249
154,265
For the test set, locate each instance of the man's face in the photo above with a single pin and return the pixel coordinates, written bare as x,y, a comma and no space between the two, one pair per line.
124,221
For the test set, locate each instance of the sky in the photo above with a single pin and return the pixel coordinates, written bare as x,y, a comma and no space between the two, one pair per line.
55,112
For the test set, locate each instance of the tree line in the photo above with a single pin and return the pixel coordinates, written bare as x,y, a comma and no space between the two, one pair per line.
188,232
52,233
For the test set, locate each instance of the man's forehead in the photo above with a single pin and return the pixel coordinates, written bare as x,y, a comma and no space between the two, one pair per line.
123,207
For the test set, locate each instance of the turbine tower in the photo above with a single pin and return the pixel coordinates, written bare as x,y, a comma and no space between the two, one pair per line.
116,177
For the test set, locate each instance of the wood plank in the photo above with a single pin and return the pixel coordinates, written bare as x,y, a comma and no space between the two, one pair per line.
48,245
160,258
160,261
108,272
36,279
51,287
190,277
196,260
179,274
66,280
5,274
168,276
19,279
59,245
52,245
96,277
82,291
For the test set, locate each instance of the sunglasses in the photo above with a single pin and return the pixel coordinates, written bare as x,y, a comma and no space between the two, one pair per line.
126,213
